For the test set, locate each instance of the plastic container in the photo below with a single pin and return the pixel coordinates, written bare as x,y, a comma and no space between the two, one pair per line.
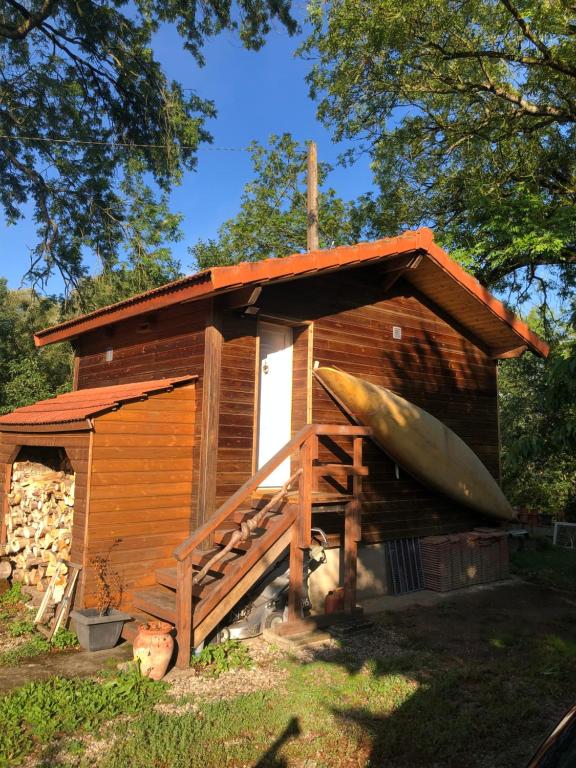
334,602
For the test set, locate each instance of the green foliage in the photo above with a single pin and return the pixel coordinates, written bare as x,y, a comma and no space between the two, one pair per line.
222,657
37,712
64,639
468,114
272,216
538,425
26,373
86,71
146,261
20,627
13,596
35,646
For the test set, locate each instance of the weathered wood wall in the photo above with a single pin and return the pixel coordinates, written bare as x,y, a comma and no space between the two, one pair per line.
141,487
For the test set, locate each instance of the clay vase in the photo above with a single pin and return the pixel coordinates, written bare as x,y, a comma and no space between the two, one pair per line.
153,647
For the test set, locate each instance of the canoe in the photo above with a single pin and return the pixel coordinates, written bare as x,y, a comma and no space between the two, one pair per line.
419,443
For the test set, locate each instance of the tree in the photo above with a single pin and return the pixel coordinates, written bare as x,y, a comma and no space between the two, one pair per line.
538,424
81,93
28,374
468,111
272,216
146,261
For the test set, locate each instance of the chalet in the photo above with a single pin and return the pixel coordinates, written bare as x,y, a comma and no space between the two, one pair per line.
193,403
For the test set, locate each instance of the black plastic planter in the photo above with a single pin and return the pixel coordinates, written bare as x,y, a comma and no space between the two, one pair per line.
97,633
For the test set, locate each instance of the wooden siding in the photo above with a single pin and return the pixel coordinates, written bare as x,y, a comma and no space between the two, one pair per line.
77,447
167,343
433,365
141,487
237,405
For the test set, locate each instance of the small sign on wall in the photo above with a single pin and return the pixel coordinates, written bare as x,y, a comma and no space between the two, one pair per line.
396,332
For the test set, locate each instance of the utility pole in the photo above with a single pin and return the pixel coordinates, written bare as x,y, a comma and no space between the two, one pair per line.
312,198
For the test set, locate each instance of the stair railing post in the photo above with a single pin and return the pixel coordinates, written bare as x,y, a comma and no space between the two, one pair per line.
301,532
353,529
184,609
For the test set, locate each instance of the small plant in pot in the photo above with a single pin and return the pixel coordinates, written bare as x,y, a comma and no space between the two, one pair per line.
99,628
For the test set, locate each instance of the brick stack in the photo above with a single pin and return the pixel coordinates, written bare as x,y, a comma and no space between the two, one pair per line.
463,559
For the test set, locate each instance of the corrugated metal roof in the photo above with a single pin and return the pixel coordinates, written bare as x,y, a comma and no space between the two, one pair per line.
83,404
220,280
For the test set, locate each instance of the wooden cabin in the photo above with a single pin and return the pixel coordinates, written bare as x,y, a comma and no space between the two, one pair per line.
174,473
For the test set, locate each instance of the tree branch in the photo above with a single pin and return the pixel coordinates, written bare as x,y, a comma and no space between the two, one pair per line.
31,20
491,276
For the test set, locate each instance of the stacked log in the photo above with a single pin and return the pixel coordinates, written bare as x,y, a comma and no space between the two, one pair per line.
39,525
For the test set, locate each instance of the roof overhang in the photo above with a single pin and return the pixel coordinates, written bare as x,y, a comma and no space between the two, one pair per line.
74,411
414,255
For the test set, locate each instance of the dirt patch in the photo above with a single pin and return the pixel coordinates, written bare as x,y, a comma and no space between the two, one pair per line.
188,686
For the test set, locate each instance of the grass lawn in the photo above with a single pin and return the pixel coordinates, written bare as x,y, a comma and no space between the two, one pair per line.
475,682
549,566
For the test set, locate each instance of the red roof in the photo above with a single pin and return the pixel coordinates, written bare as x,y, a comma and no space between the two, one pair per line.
83,404
444,282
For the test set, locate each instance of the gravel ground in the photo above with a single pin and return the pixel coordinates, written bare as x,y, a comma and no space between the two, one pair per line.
379,642
188,687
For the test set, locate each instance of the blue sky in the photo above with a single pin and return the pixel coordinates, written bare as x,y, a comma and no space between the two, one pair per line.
256,94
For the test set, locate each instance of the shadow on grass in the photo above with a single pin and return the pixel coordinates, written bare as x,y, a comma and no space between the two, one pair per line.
491,703
270,758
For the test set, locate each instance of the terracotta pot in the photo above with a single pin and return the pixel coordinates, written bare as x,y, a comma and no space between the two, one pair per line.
153,648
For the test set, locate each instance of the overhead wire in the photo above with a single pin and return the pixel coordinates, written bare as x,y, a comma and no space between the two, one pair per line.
134,145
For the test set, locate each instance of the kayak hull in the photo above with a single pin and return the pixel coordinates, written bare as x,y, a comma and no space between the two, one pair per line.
419,443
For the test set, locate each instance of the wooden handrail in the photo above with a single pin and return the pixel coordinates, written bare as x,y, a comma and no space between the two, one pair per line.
231,505
346,430
306,442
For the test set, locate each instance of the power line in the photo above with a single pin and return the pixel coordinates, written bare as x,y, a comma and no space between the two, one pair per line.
130,145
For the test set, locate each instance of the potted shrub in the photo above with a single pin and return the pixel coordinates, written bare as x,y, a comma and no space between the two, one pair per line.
99,628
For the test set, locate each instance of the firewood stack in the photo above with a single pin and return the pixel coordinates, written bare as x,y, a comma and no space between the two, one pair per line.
39,525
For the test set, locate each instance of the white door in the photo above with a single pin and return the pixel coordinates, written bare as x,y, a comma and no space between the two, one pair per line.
275,398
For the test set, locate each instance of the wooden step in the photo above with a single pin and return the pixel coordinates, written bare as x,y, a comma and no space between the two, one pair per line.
157,601
130,628
257,549
160,600
241,514
222,537
200,557
168,577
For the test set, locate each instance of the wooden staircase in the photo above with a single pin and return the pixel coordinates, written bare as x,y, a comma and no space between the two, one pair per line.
246,536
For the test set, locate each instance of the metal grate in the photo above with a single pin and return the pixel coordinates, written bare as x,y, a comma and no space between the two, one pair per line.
405,563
